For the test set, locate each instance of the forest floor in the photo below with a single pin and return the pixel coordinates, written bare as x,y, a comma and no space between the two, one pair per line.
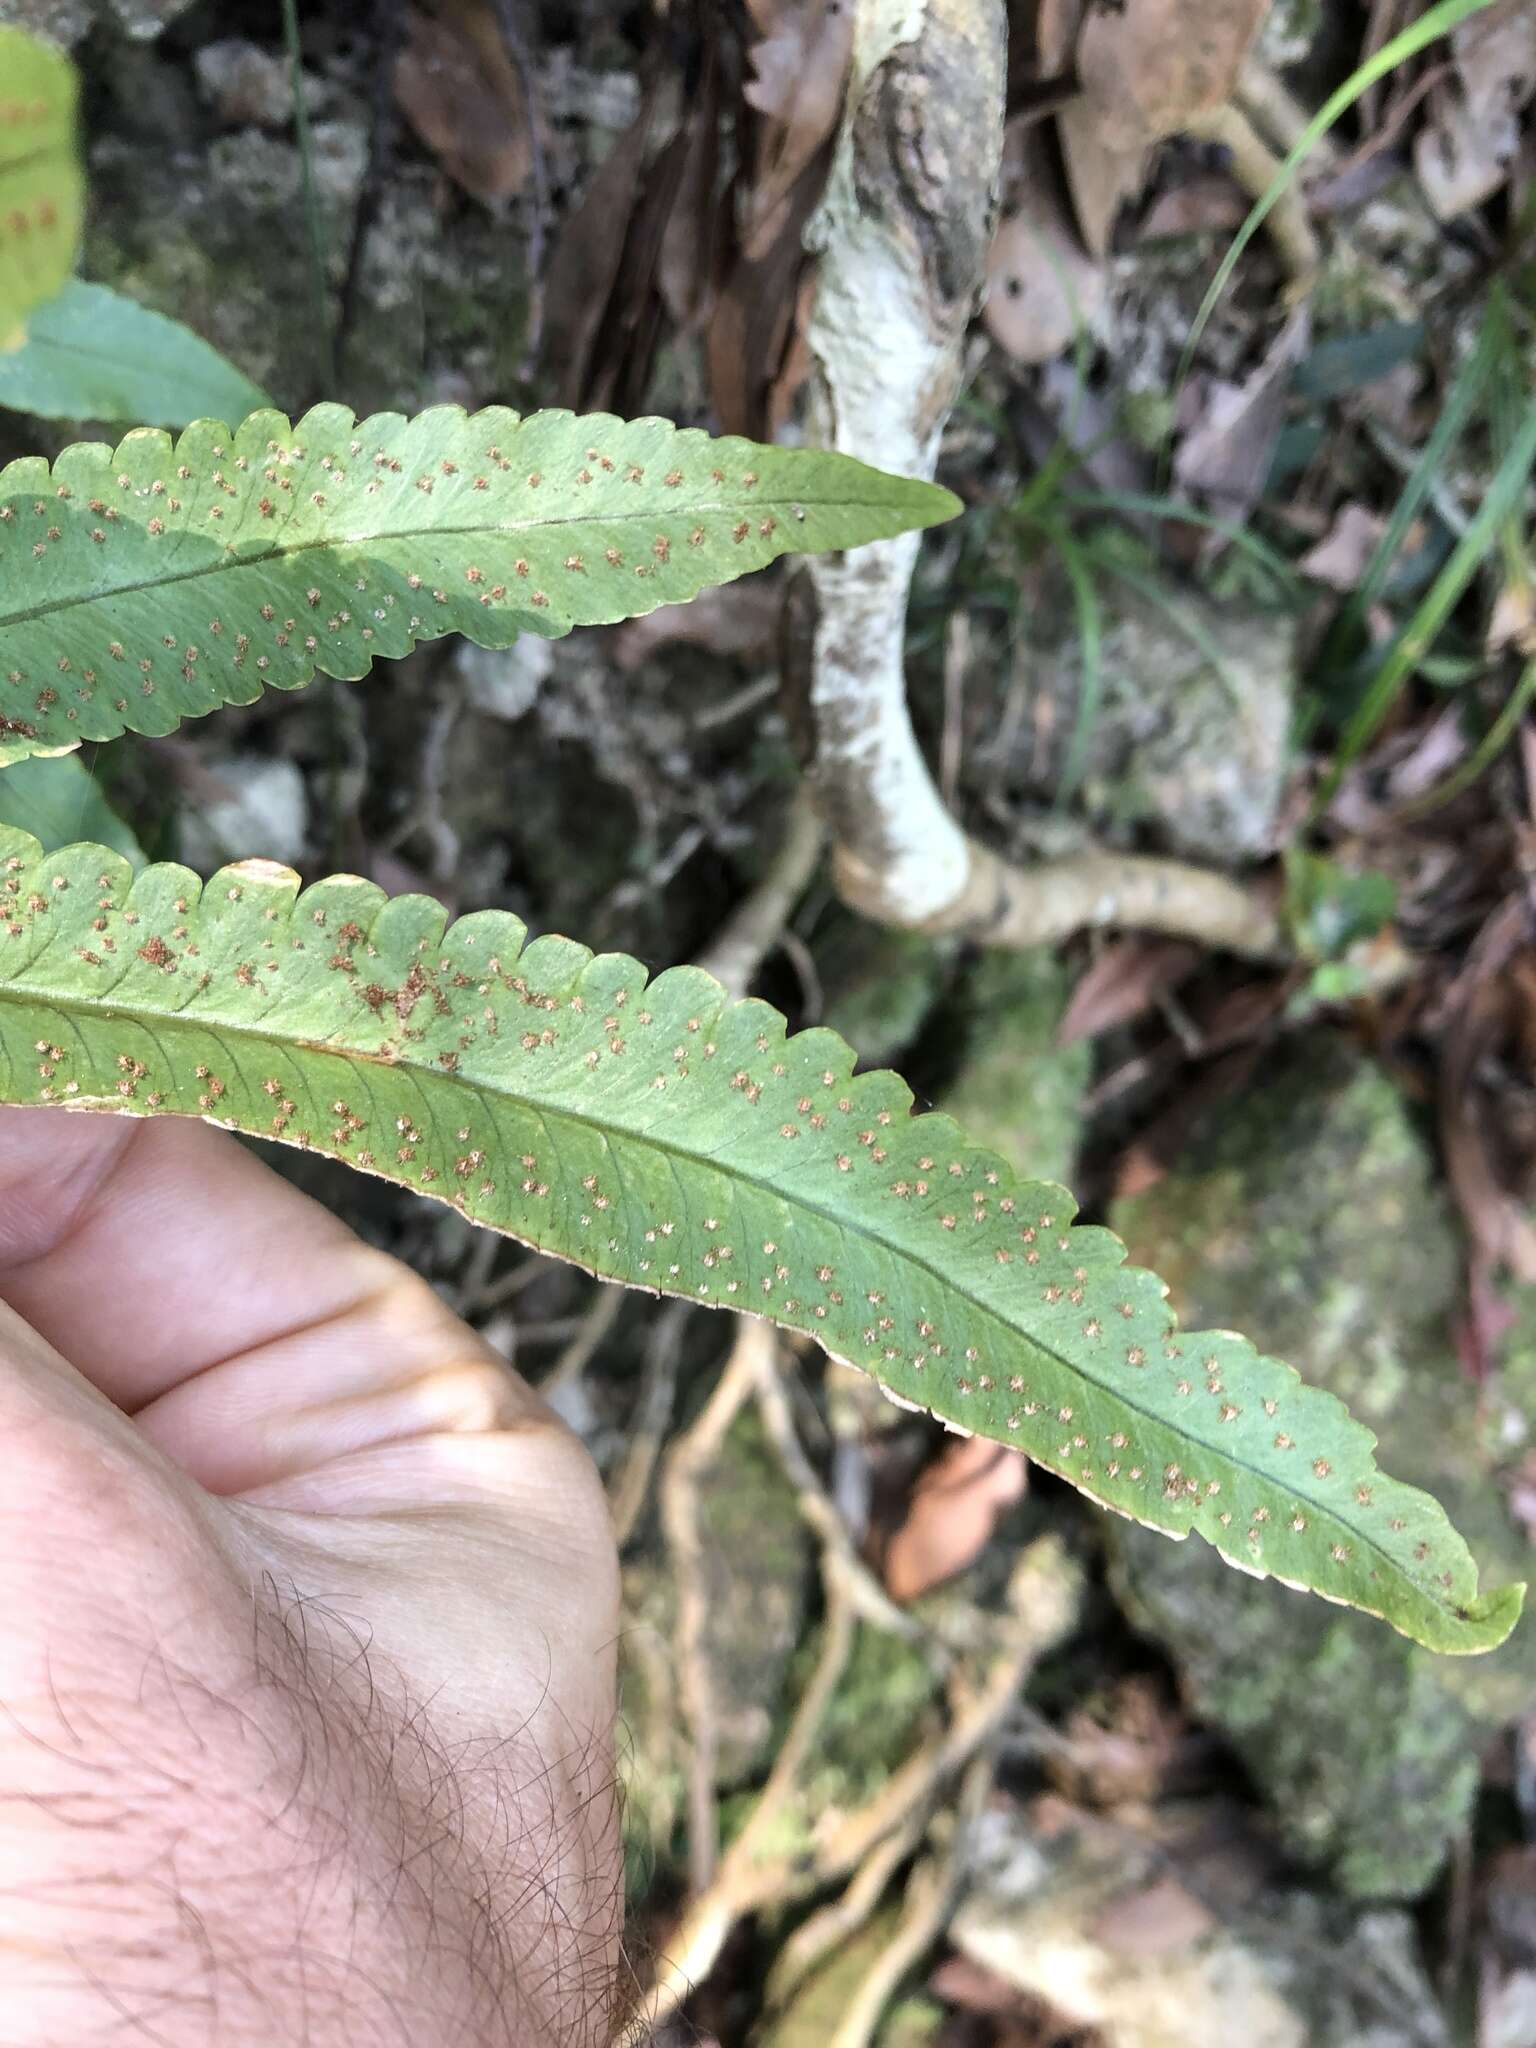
918,1749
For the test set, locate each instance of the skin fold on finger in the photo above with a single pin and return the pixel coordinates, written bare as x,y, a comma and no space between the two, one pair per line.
251,1334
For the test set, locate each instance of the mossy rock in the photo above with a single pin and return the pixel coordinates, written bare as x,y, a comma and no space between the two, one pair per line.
881,985
1308,1216
1020,1091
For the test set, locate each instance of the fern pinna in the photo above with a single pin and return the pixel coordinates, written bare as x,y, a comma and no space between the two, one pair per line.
663,1136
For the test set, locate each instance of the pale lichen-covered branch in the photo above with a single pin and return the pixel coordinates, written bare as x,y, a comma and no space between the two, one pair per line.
902,239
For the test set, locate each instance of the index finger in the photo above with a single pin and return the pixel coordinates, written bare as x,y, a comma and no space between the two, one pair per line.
244,1324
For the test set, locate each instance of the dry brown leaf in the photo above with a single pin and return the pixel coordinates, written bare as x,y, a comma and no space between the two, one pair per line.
1150,67
1043,288
738,620
953,1511
460,91
1227,456
1123,984
1057,23
1466,152
584,301
1339,559
1103,178
799,74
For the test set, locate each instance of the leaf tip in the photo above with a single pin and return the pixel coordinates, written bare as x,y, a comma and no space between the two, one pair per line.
1487,1622
935,504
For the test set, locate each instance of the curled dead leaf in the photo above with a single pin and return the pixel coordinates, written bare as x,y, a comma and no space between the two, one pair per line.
1466,151
461,93
1043,288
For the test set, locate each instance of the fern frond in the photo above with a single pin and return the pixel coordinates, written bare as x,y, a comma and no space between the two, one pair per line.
153,582
661,1135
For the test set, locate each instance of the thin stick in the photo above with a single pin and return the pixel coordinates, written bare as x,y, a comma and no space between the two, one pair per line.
522,63
754,929
648,1427
593,1328
931,1895
689,1459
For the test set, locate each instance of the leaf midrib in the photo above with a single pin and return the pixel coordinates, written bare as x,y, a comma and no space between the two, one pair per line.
606,1130
417,533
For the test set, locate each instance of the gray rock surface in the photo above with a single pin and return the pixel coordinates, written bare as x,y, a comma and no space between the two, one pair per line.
1307,1215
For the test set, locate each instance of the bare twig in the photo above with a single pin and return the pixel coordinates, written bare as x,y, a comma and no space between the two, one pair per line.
690,1457
1255,167
648,1428
821,1932
758,923
510,1284
931,1894
708,716
590,1332
870,1599
750,1877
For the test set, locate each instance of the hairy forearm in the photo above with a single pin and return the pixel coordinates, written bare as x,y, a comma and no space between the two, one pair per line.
280,1847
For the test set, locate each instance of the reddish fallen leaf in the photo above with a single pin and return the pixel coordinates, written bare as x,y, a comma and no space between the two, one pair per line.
1057,23
461,93
1228,455
799,73
1159,1919
1103,178
754,345
954,1509
1124,982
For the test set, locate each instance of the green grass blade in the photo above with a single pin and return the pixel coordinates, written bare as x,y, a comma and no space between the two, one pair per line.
1150,505
154,582
1436,22
1483,755
663,1136
1439,601
1463,398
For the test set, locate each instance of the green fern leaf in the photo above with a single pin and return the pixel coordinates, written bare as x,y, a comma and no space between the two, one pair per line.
42,188
661,1135
154,582
92,354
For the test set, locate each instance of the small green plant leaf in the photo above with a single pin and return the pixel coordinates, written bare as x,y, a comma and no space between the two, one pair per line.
91,354
151,583
58,800
664,1136
42,187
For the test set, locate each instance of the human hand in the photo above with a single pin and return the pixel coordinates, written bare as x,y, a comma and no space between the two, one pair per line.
307,1619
